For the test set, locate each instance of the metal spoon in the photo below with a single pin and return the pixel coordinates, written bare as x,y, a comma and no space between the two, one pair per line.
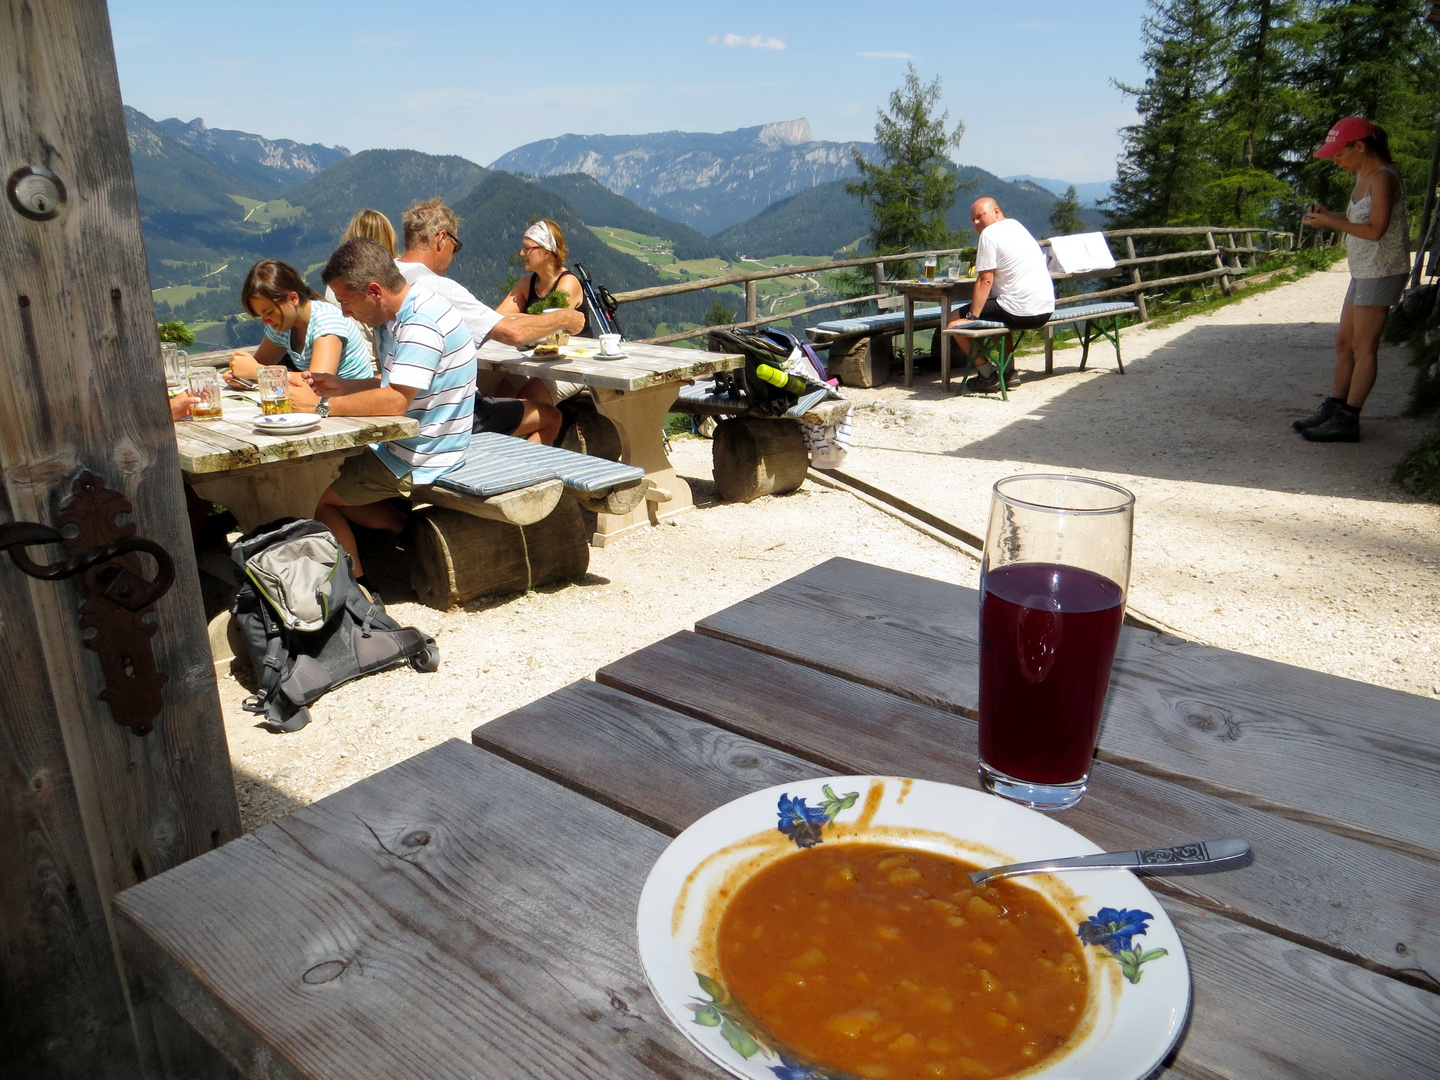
1155,860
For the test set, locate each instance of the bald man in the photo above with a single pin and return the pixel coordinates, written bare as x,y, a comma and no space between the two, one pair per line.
1012,286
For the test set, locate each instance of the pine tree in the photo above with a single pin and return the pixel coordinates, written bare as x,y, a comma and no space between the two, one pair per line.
1165,166
911,189
1065,214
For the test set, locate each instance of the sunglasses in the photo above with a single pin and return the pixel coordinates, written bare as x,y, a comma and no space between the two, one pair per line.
525,249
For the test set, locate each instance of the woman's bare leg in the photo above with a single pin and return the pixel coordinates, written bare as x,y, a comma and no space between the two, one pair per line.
1356,362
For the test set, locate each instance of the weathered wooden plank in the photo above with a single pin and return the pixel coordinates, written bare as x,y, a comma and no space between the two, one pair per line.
1265,1007
82,388
1367,904
451,917
1253,730
643,365
218,446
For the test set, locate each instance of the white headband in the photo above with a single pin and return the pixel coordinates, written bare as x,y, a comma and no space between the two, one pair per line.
541,234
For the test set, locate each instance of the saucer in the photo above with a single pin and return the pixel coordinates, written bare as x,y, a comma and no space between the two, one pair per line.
287,423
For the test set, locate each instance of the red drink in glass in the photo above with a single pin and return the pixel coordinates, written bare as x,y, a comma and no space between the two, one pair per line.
1057,564
1048,634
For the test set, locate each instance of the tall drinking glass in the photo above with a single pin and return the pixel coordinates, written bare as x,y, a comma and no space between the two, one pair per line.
929,267
1052,594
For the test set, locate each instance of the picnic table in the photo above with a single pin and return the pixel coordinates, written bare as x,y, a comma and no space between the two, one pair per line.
260,477
945,291
635,393
471,911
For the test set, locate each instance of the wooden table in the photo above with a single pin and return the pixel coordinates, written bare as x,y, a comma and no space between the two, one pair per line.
262,477
470,912
635,393
945,292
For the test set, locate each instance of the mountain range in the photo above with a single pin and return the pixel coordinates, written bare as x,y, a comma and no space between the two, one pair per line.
706,180
214,200
1088,194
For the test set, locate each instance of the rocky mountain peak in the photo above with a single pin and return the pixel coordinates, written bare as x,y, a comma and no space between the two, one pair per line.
785,133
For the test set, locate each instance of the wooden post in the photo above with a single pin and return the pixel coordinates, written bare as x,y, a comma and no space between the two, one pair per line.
1135,277
86,807
750,307
1219,261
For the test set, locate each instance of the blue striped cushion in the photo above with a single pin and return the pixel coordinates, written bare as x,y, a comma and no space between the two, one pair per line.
499,463
979,324
869,324
1090,311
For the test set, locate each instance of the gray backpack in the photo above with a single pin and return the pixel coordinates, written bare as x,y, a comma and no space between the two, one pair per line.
308,626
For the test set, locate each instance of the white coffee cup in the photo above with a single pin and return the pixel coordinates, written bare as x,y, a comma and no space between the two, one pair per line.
609,344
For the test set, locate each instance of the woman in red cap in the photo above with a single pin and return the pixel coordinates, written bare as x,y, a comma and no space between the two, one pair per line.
1377,240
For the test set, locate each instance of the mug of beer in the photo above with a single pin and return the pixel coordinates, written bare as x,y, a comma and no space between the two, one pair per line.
274,385
205,385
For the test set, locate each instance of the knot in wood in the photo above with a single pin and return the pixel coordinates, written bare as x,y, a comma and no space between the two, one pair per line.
1211,719
325,971
418,838
745,761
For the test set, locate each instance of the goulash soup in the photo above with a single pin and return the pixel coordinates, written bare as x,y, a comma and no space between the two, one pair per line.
887,964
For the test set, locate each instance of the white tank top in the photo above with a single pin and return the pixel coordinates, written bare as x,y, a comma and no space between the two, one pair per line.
1388,256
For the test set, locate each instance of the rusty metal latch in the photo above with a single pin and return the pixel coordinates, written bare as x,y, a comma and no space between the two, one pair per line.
117,596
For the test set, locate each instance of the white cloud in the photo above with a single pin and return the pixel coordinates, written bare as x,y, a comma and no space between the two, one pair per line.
758,41
888,55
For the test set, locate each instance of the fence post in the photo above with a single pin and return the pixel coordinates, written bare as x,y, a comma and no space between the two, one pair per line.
750,312
1135,277
1235,258
1219,261
878,272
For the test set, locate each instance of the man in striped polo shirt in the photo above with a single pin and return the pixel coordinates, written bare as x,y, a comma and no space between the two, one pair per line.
427,372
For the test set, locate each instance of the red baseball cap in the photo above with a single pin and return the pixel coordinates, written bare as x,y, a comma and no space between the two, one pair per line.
1343,133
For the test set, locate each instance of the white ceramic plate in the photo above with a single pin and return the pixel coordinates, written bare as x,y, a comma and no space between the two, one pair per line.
1139,979
287,423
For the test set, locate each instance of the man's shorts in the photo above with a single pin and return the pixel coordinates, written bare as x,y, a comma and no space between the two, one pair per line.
501,415
365,479
1376,291
993,312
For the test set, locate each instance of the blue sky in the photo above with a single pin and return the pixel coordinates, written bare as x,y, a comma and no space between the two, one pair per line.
1031,79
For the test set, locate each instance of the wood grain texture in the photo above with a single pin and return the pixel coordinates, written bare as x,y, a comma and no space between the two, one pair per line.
755,457
82,388
454,916
643,366
1338,753
219,446
1320,1017
1337,894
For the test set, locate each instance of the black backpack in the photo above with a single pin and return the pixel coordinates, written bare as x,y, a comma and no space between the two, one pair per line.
308,626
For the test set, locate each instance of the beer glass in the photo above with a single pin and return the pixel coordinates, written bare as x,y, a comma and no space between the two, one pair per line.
274,386
929,264
205,385
1052,595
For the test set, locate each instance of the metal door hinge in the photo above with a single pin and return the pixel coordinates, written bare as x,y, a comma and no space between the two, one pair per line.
104,558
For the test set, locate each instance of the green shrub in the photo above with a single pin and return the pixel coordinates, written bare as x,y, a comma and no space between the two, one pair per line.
1418,472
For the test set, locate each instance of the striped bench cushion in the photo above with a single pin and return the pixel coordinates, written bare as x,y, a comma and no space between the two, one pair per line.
1090,311
871,324
977,324
496,464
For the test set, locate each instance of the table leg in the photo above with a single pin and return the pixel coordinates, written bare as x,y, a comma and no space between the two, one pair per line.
267,492
944,341
639,417
909,341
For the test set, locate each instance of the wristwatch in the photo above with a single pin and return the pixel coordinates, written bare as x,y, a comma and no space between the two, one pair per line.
322,408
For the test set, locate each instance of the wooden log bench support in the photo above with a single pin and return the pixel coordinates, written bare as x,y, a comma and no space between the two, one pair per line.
509,519
759,455
861,349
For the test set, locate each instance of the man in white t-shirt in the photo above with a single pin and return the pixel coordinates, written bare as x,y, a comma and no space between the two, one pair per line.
431,244
1012,286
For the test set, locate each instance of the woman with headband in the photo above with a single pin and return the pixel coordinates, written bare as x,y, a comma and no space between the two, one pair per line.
544,250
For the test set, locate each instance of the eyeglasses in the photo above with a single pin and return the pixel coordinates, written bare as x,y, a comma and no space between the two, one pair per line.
525,249
454,240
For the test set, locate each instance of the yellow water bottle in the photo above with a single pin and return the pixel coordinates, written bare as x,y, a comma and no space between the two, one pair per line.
791,384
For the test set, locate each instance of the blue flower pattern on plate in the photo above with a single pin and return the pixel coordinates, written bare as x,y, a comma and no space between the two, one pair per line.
802,823
1114,930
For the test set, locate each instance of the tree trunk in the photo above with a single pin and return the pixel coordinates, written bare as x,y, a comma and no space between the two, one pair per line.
755,457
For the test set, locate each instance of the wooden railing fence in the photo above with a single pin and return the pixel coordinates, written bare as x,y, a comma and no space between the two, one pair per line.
1229,265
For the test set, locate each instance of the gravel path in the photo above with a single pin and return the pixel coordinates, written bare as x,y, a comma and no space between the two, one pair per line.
1246,536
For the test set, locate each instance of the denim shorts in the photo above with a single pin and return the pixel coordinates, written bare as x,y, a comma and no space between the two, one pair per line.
1376,291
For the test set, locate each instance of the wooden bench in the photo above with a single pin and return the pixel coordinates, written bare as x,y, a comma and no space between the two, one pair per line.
861,349
756,455
510,518
1091,318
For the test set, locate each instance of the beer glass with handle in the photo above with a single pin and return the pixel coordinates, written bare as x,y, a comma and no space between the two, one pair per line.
1052,595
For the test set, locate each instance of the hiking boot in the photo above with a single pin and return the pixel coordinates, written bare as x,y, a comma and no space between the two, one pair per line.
1342,426
1319,416
990,384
